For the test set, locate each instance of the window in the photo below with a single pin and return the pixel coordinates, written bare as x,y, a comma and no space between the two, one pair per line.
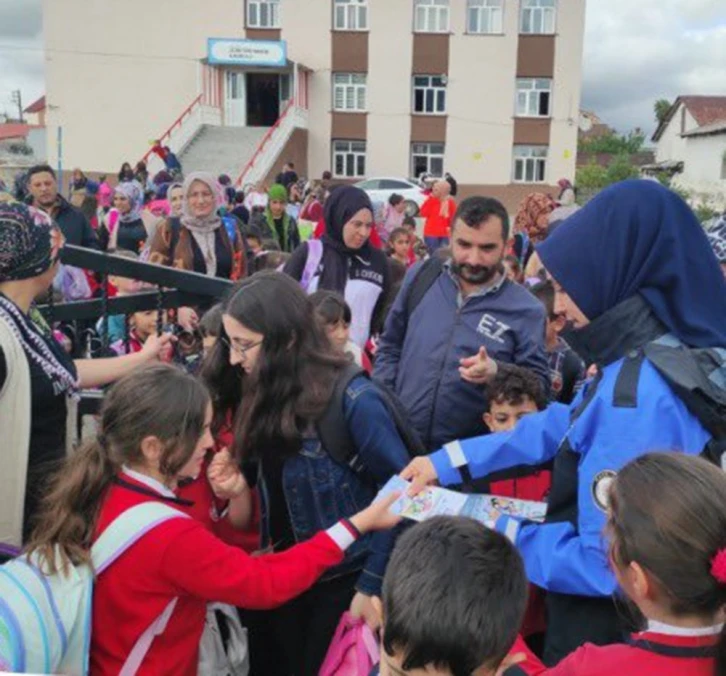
427,158
263,13
429,95
431,16
534,97
530,163
351,15
349,92
374,184
538,16
349,159
723,167
484,16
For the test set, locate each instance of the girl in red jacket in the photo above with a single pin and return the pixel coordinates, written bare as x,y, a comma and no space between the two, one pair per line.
154,429
667,528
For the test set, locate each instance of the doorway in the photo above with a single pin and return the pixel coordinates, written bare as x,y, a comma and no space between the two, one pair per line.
263,99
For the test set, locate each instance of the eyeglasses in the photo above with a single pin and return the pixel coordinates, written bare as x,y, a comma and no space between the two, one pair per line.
238,349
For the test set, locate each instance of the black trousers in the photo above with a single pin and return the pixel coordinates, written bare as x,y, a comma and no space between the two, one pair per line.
292,640
574,620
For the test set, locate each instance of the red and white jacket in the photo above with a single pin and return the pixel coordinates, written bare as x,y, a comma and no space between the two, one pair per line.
181,559
662,650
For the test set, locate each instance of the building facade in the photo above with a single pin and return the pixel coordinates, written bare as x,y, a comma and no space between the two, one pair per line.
488,90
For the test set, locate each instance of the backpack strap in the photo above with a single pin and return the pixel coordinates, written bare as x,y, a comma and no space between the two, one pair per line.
332,427
421,283
141,647
315,255
127,529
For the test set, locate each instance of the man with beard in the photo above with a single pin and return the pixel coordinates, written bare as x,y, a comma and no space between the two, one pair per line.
455,323
43,189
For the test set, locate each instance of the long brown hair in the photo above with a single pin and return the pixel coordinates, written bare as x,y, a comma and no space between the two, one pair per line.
295,374
160,401
668,514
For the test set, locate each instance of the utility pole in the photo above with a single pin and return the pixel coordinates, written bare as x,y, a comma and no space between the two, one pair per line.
18,98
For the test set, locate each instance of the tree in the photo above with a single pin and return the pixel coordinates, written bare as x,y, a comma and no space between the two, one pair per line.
614,144
661,108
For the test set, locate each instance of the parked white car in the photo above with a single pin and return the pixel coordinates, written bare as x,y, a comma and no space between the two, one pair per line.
380,189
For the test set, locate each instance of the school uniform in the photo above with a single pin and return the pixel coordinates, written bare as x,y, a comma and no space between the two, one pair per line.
662,650
181,559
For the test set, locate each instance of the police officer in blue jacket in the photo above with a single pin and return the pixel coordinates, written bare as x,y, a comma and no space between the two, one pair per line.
630,268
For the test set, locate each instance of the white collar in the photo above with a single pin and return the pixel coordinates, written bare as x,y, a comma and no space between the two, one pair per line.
669,630
149,482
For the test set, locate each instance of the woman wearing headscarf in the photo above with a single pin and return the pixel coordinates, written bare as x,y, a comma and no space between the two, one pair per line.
129,232
347,264
198,239
630,269
36,375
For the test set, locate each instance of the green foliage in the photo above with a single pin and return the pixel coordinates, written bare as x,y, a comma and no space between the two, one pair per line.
621,169
704,213
595,177
614,144
661,108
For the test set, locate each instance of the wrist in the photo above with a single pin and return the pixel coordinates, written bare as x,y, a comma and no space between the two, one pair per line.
359,524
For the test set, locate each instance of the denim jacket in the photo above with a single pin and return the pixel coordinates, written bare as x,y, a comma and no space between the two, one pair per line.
319,491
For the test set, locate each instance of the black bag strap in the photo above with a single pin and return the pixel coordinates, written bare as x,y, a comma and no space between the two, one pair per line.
422,282
333,429
175,226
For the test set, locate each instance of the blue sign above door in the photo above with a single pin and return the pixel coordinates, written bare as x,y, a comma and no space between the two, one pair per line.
232,52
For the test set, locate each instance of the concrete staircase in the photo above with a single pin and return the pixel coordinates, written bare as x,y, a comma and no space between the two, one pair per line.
221,150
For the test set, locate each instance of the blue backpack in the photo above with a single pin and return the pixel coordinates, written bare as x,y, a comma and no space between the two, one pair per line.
45,620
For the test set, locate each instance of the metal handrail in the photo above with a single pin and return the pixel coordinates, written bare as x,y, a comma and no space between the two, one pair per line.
176,123
263,143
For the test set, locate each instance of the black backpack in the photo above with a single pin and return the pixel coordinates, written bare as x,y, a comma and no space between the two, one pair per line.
333,430
698,377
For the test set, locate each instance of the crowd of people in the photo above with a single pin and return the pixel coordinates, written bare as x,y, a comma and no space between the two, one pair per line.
574,357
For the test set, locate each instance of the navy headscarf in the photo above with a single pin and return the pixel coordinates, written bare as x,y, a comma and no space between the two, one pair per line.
343,203
639,237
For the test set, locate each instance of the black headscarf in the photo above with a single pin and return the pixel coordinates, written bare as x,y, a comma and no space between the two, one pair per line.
344,202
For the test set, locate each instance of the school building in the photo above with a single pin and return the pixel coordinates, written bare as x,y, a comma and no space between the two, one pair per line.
488,90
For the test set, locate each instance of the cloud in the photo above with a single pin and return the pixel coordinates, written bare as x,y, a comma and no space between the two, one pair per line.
21,19
638,51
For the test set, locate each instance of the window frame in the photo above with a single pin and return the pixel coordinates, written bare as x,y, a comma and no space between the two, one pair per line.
530,155
432,10
427,152
481,9
358,89
533,95
435,99
535,8
349,154
350,8
275,14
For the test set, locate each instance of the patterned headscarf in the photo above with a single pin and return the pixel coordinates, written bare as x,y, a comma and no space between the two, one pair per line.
134,193
212,221
29,242
533,216
717,239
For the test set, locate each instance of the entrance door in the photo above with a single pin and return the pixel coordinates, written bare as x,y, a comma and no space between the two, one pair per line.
235,99
263,99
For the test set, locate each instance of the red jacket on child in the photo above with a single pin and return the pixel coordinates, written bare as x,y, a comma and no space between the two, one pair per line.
181,559
649,653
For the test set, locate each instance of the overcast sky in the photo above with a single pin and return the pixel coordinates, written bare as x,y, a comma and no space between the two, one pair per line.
636,51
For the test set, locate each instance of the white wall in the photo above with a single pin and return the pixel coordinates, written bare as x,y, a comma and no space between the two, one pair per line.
118,74
670,145
306,28
390,54
701,175
567,88
480,99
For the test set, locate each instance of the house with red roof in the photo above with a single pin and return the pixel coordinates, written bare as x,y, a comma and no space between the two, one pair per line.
693,134
35,112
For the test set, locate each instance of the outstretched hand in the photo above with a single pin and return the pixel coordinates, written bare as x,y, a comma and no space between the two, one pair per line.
421,473
479,369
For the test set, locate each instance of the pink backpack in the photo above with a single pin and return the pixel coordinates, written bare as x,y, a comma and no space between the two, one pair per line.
354,650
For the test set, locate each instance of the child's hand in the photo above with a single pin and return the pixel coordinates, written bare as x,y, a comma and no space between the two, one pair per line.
225,477
362,607
155,346
421,473
377,516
